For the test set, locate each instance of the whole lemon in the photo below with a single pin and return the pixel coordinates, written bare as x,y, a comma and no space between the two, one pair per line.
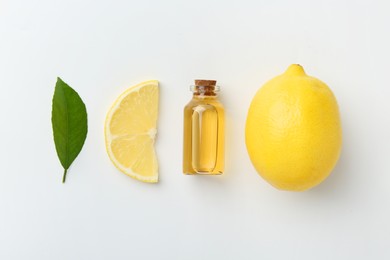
293,131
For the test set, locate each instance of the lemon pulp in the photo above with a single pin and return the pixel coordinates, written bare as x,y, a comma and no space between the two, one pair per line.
130,131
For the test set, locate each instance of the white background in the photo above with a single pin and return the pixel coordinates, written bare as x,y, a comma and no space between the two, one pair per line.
102,47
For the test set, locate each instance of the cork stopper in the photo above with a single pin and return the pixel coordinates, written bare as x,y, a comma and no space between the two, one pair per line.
204,87
205,82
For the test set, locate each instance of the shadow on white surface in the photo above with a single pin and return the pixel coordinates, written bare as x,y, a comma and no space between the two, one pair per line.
337,182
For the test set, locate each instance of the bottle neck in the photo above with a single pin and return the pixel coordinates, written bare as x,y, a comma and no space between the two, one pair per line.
205,91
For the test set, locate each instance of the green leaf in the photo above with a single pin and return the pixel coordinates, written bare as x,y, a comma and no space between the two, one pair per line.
69,121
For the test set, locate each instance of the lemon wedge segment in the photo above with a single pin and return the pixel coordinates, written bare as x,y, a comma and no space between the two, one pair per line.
130,131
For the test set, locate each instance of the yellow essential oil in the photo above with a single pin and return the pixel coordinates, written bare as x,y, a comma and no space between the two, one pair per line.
204,123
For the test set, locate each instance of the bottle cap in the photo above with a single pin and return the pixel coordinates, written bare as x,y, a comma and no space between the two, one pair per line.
205,82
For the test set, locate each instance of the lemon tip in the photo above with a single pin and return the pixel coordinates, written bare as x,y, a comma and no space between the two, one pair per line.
295,70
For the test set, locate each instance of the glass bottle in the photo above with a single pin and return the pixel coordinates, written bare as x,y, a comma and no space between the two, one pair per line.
204,123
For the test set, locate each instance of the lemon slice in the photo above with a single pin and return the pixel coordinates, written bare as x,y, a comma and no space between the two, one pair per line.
130,131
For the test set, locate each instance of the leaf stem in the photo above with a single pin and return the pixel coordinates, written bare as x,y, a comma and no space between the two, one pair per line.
64,176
